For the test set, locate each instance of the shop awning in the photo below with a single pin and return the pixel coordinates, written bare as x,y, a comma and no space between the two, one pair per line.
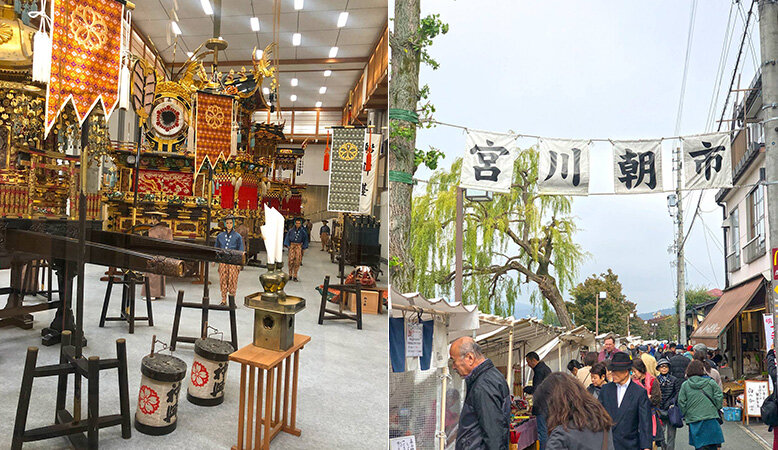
727,308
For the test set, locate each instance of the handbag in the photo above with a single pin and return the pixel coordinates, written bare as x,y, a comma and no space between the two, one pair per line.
720,419
674,416
769,410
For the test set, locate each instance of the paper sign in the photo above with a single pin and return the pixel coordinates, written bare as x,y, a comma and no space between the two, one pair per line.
775,263
403,443
769,329
413,339
756,392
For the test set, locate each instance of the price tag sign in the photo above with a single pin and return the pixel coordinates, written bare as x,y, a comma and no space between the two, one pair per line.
403,443
413,339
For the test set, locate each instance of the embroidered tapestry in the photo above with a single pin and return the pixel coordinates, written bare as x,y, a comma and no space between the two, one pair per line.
213,127
168,183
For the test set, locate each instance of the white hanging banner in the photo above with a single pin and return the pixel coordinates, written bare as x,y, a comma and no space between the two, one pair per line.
563,166
637,166
707,161
488,162
367,192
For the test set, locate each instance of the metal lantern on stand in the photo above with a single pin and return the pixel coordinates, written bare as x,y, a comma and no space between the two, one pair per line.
274,310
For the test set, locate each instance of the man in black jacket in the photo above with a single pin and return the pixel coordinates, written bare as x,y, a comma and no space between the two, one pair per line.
678,364
670,386
485,418
539,373
627,404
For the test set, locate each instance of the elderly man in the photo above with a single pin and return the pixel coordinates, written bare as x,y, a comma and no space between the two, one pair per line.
485,417
628,405
608,349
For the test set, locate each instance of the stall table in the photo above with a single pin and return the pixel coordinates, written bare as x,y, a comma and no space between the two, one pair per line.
528,434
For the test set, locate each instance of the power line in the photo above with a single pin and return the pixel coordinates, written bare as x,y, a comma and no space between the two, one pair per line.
728,34
737,63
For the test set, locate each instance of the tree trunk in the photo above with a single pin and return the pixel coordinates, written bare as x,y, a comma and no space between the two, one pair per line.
403,94
549,290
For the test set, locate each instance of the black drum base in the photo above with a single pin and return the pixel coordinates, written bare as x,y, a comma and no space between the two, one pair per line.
204,401
155,431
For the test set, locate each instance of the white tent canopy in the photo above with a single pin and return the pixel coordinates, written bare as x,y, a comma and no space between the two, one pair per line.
462,319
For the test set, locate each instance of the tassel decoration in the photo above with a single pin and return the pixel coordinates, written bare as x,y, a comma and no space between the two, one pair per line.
369,158
124,88
327,155
41,56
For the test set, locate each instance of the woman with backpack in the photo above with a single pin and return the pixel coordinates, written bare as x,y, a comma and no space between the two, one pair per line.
641,376
670,386
700,400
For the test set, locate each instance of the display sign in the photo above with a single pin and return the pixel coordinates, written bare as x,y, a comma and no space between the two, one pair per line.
346,170
414,335
707,160
755,393
769,329
775,263
563,167
637,167
403,443
488,162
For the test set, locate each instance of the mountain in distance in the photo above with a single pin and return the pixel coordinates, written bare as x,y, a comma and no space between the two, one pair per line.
650,315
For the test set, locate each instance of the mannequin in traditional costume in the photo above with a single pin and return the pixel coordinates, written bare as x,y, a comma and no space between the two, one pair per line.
296,241
158,230
229,239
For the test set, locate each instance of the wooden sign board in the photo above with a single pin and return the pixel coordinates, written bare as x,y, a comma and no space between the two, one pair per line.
754,395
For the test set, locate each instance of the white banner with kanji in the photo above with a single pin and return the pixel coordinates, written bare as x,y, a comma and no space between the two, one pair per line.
637,166
563,166
707,161
488,162
367,191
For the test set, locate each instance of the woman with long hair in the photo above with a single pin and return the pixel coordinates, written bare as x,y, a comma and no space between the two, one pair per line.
700,400
576,420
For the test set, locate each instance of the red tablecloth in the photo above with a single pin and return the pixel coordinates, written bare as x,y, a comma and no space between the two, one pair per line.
528,433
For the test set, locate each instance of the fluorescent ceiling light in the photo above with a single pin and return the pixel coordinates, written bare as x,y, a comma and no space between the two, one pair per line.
294,81
333,52
259,53
296,39
342,19
207,7
293,98
322,89
298,4
318,104
176,29
266,90
327,72
255,24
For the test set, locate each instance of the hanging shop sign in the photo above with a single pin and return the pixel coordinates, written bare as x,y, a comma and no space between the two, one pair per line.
85,57
488,162
369,179
707,160
346,170
637,167
563,166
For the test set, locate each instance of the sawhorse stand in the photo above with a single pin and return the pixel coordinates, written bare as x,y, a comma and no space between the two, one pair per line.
205,306
344,289
129,282
65,423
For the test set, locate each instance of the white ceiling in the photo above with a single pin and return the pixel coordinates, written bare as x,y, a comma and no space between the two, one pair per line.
316,22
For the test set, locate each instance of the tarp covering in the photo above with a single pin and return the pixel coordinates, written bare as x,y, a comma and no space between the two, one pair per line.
728,307
461,317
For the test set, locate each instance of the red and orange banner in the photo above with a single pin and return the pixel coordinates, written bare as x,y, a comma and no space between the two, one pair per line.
164,182
85,57
213,126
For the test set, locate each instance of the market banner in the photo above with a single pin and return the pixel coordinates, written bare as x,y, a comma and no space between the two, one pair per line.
707,160
488,162
346,170
637,166
86,57
563,166
213,128
164,182
367,191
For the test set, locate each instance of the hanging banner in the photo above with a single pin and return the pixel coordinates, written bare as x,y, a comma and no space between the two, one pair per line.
213,128
86,56
488,162
563,166
367,191
346,170
637,167
707,161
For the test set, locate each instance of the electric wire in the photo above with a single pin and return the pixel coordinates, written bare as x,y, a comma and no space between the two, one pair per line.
729,32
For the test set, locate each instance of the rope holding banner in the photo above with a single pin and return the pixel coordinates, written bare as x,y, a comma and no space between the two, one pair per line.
403,114
401,177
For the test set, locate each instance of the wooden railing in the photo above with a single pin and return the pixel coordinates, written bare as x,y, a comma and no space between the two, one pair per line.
376,70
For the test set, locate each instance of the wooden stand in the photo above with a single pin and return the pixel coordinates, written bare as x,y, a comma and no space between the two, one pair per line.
339,314
257,427
204,307
129,281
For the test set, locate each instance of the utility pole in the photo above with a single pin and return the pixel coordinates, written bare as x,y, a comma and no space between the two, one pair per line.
459,243
768,39
680,262
603,295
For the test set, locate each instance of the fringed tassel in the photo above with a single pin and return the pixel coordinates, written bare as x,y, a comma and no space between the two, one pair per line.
124,88
41,47
369,158
327,155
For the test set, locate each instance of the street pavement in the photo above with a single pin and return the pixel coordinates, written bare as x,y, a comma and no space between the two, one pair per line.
736,436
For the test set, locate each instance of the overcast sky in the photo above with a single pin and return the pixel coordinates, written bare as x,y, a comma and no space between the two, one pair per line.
594,69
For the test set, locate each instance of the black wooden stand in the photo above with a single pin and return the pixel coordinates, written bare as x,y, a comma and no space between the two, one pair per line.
129,282
65,423
204,307
339,314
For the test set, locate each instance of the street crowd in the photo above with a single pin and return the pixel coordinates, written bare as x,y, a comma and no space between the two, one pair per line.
618,398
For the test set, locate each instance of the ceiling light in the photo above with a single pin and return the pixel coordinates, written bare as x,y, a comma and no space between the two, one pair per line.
189,54
322,89
333,52
176,29
318,104
207,7
294,81
255,24
342,19
293,98
298,4
327,72
296,39
266,90
259,53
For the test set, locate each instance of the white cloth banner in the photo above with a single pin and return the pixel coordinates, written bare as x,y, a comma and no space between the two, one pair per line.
637,166
707,161
488,162
367,192
563,166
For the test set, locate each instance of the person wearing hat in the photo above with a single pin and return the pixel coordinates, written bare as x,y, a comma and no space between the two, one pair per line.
647,359
158,230
628,405
324,235
670,386
229,239
296,241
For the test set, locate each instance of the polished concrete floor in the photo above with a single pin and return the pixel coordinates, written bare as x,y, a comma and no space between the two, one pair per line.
343,384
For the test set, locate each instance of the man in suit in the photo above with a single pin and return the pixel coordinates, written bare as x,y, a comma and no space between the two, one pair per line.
627,404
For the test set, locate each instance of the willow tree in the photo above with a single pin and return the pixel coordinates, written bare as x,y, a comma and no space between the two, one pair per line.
515,242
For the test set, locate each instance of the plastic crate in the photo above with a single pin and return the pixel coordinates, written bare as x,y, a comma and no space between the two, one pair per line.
732,414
